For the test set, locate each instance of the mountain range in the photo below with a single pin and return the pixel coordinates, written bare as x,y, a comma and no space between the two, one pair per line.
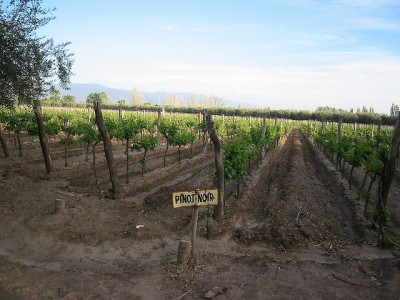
82,90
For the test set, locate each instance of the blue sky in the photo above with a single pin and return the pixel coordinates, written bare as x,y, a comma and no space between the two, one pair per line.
279,54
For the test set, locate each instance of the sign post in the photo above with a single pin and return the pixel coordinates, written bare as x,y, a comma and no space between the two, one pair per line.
194,229
196,199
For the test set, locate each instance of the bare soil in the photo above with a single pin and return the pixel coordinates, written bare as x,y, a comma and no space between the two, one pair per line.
297,231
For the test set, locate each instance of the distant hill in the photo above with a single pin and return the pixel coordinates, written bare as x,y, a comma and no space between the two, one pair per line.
82,90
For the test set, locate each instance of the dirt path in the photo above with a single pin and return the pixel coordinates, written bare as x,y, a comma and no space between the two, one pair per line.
293,235
299,204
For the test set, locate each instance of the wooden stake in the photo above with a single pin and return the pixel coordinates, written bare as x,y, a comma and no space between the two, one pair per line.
339,138
183,252
194,229
59,206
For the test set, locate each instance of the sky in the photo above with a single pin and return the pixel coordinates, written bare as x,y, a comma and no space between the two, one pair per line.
281,54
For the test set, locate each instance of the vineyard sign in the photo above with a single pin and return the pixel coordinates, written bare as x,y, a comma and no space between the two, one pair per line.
195,198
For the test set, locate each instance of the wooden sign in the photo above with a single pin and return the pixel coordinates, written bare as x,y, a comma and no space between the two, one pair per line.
195,198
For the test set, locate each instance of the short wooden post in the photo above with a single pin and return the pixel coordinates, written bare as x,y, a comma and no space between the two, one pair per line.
183,252
159,116
264,148
59,206
339,138
194,229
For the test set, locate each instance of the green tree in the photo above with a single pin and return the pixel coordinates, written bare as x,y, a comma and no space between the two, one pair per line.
121,102
68,100
30,62
394,110
101,98
54,98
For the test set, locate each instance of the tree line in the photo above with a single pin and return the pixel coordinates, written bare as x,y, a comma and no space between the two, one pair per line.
329,114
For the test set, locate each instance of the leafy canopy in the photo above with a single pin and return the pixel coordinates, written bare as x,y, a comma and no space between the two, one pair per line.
101,97
28,62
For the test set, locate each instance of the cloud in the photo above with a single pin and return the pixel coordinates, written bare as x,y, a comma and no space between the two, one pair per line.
375,23
357,84
310,38
370,81
210,29
170,27
367,3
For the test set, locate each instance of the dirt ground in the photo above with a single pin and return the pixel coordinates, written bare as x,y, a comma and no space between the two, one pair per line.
297,231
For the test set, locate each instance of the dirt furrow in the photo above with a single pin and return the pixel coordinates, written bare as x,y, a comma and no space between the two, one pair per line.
296,206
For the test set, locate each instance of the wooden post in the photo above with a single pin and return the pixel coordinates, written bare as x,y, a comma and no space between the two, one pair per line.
379,132
89,115
120,114
322,130
195,218
339,138
4,144
204,126
388,174
391,163
59,206
219,165
158,126
199,121
372,130
263,150
183,252
194,228
116,188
